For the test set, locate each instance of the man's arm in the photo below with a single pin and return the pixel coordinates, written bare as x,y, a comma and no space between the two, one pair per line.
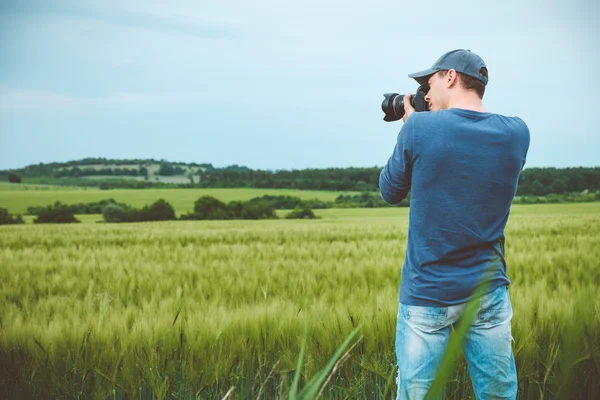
524,138
395,178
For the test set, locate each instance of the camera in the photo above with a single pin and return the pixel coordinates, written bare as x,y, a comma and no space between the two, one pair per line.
393,105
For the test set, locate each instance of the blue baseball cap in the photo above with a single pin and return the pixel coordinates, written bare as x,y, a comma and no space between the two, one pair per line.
463,61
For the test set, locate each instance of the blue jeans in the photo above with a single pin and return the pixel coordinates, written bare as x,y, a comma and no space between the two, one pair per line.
422,334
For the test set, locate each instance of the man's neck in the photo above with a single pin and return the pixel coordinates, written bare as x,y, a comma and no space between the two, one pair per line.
467,101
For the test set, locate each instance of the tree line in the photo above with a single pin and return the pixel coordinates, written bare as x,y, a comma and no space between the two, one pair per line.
532,181
76,172
110,167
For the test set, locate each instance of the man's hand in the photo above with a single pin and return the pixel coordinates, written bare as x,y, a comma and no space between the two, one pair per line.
408,109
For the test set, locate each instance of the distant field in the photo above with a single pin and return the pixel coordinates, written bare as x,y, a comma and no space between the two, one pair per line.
18,198
549,211
333,214
5,186
153,178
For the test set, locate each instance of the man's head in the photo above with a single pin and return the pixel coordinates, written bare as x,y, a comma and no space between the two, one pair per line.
456,74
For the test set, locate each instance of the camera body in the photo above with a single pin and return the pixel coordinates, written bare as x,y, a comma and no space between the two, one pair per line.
393,104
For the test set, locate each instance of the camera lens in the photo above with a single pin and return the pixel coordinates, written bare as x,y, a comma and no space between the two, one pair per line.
393,103
392,106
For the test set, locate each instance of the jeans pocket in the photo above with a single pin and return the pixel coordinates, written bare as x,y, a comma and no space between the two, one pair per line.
426,318
495,307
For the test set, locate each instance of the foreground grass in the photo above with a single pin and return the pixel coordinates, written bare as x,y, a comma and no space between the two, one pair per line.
192,309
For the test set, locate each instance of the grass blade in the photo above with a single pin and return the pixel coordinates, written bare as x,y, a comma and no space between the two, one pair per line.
312,388
294,389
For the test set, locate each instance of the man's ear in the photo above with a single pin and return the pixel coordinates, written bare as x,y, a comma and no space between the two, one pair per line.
451,78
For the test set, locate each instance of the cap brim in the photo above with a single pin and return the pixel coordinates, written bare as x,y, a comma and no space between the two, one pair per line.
423,76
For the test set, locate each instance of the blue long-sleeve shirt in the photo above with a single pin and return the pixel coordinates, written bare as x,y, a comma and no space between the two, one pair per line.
461,168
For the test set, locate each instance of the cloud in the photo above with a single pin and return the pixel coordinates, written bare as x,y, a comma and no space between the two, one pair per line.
131,15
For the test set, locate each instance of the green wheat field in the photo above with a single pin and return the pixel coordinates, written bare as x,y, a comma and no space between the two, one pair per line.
215,309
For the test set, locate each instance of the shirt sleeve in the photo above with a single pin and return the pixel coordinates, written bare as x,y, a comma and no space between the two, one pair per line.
525,144
395,178
521,140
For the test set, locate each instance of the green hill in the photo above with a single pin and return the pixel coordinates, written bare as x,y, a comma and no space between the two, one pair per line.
149,173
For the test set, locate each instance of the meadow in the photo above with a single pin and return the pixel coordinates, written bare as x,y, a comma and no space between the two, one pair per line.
16,198
210,309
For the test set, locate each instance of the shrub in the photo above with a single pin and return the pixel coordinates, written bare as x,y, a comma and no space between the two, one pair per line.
366,200
8,219
278,202
282,202
256,210
58,214
317,204
235,209
96,207
188,216
160,210
208,207
301,213
114,213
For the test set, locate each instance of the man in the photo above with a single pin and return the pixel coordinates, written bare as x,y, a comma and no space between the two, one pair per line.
461,164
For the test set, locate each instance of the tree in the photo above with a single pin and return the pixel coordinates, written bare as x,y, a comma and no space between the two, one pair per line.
538,189
558,186
363,186
190,175
14,178
166,169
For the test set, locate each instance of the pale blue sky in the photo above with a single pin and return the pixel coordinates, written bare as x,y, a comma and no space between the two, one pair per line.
280,84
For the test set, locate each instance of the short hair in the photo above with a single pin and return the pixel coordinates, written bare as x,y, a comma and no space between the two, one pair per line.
470,83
